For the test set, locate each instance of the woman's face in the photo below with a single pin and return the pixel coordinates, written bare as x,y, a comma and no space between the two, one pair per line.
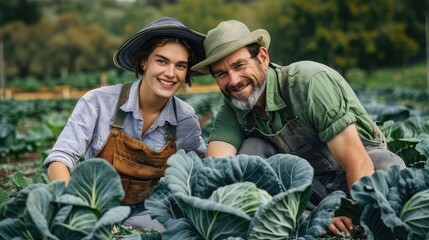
165,69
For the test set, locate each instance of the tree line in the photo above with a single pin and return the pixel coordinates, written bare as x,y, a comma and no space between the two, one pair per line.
50,38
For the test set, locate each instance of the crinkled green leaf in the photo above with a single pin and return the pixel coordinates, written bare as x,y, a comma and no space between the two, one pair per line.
218,172
162,205
180,228
293,171
415,213
78,224
279,218
97,183
244,196
102,228
4,198
39,208
423,147
20,180
321,217
182,168
11,228
350,208
61,216
382,195
373,225
212,220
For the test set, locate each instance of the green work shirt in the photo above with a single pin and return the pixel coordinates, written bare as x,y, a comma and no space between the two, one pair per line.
321,98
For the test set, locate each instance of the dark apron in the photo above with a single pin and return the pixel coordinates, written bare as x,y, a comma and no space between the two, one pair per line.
294,138
140,167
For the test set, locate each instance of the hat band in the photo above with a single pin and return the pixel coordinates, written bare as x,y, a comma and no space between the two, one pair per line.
220,48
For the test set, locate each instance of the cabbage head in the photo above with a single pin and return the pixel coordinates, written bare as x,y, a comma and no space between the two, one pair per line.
239,197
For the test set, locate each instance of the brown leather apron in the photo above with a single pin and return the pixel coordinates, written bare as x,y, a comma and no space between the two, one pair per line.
139,166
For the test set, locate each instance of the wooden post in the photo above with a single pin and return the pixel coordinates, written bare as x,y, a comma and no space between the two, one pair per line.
427,46
2,68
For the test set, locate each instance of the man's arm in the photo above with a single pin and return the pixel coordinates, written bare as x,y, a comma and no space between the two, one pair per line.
349,152
220,149
58,171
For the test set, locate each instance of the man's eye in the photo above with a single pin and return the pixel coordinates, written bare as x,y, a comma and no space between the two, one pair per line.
239,66
220,75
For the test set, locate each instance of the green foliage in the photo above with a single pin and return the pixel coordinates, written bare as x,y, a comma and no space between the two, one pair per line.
343,34
82,36
26,11
239,197
392,204
85,209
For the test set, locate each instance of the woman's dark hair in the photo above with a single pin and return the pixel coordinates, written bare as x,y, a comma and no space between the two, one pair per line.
142,54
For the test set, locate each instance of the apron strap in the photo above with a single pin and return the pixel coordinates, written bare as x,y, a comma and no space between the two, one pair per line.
283,83
284,90
118,120
171,129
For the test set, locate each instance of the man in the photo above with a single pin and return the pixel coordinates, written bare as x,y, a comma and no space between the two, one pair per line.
305,108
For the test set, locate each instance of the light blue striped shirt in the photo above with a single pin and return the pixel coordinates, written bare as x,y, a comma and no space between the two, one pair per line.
88,127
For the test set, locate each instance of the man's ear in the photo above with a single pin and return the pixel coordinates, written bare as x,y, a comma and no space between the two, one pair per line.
264,56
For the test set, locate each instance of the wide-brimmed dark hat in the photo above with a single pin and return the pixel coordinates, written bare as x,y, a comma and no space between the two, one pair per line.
228,37
165,26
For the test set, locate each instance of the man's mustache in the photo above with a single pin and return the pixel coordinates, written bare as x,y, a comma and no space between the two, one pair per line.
237,86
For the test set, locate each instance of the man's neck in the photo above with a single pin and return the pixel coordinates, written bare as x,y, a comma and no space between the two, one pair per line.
260,105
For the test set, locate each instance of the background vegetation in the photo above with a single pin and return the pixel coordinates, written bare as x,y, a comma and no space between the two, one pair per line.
48,39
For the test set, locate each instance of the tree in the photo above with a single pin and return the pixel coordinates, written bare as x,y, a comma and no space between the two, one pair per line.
342,34
22,10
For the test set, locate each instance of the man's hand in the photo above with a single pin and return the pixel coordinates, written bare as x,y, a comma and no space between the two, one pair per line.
341,224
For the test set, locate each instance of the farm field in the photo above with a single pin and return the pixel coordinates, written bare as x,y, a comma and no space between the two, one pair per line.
29,127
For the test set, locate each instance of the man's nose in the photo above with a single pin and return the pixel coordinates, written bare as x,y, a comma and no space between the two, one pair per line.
234,78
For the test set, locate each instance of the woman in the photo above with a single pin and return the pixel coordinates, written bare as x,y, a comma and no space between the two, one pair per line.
148,123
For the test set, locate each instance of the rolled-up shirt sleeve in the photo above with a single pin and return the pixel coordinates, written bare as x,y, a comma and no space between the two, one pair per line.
329,105
77,134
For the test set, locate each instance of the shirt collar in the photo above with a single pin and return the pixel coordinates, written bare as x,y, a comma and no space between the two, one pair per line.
273,99
132,105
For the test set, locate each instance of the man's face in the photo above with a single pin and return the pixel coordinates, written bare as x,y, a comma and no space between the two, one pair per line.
242,78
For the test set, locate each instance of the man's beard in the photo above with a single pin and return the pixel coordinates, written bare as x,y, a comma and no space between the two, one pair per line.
251,101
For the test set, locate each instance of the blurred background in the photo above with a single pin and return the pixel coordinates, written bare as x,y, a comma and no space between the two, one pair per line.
55,42
54,51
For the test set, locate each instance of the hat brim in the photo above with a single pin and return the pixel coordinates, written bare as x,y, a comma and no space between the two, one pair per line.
122,57
259,36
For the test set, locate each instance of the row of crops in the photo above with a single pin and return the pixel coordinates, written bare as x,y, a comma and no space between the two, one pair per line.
33,125
29,128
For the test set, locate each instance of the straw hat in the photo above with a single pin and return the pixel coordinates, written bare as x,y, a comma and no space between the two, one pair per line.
165,26
226,38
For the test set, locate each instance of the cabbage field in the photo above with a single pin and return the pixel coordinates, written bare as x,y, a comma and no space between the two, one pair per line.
29,128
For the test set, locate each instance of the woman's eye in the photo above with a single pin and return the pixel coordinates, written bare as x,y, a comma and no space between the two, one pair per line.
162,62
182,67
